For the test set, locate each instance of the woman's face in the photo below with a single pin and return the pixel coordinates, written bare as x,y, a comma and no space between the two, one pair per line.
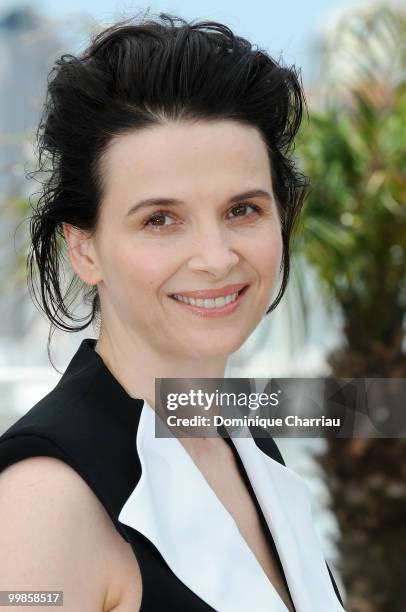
206,236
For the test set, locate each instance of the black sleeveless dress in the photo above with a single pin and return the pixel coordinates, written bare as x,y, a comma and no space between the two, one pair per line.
191,555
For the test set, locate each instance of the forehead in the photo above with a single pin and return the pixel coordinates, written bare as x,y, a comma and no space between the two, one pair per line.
186,154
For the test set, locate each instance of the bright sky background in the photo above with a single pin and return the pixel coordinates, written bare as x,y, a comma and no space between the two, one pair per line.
290,27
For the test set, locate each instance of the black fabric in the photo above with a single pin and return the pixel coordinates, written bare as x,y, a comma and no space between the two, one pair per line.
90,422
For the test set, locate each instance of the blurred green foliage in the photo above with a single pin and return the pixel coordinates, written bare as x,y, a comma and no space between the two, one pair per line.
354,226
354,235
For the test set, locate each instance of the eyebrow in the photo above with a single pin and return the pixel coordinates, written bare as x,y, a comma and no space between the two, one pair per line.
252,193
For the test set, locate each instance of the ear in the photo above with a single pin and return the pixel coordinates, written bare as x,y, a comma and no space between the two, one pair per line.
82,253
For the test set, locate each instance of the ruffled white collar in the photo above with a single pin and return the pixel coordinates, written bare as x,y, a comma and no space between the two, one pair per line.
176,509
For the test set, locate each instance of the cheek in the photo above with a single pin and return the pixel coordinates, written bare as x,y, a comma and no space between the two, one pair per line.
268,253
143,269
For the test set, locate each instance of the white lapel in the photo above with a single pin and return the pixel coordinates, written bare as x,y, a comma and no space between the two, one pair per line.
285,502
175,508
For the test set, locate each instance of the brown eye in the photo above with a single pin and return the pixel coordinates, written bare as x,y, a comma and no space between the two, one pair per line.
243,208
151,221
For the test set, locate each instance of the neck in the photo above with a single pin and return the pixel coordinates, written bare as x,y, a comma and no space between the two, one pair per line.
136,364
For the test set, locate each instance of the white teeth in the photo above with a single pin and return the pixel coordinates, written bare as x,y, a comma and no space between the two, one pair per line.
208,303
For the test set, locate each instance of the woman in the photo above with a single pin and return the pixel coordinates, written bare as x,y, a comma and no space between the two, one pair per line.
170,181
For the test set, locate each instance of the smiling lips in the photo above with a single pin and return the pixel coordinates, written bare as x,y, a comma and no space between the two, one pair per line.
221,301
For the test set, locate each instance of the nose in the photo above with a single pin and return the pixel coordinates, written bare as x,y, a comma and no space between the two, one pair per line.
212,253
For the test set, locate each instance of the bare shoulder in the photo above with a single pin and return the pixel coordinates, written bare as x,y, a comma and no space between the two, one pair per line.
56,535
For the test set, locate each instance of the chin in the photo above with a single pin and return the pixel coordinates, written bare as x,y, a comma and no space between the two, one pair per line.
210,347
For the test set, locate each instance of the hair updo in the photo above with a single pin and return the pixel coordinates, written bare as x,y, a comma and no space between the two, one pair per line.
137,74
